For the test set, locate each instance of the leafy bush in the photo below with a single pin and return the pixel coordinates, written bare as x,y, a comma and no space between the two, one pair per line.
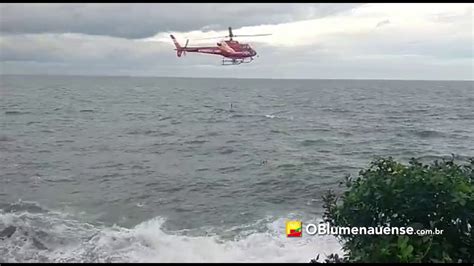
391,194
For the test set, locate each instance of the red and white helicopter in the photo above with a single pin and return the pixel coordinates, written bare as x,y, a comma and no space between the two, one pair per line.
232,52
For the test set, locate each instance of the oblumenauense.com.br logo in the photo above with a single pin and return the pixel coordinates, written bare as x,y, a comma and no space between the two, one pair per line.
294,229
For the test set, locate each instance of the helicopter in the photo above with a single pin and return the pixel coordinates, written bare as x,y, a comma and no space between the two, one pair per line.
232,52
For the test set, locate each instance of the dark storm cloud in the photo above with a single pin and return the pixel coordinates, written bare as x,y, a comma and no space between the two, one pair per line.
144,20
78,48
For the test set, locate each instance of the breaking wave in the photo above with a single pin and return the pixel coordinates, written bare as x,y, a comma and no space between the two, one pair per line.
46,236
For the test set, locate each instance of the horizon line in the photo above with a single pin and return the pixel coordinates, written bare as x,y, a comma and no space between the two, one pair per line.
248,78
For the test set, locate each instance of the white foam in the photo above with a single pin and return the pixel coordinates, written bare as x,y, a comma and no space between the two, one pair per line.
147,242
280,117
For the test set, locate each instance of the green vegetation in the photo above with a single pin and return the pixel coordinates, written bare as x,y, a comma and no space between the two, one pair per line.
432,196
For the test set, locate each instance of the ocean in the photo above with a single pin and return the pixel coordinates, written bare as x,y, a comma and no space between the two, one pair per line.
142,169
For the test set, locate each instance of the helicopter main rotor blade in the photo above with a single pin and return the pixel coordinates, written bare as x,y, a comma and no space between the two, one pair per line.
227,36
218,37
248,35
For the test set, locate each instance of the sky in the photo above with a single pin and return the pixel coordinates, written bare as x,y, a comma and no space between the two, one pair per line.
309,40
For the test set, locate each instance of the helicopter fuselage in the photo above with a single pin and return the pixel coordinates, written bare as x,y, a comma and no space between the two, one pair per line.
232,51
229,49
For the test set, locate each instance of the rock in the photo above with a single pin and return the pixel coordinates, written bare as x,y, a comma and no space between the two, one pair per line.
8,232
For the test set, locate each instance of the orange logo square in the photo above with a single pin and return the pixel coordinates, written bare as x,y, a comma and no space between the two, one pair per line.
294,229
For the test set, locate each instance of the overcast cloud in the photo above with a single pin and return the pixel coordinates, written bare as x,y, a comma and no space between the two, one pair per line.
399,41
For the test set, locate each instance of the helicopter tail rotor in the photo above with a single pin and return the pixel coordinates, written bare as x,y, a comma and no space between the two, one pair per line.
179,49
185,46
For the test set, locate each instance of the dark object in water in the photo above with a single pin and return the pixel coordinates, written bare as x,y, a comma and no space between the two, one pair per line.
8,232
38,244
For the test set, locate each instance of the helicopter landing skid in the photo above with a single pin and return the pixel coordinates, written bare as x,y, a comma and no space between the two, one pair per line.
231,62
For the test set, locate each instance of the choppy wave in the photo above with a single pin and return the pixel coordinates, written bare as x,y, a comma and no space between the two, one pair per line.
33,234
279,117
16,112
6,138
427,133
